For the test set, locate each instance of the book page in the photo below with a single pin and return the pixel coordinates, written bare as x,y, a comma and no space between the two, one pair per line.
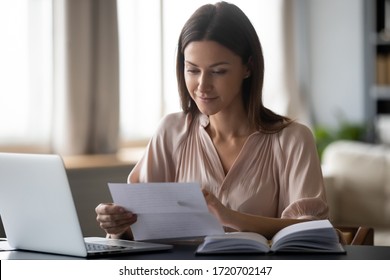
300,227
234,242
311,235
166,210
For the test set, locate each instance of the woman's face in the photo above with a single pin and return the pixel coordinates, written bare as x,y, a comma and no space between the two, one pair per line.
214,76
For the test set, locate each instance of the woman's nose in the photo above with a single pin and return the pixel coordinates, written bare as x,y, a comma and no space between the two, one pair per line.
205,82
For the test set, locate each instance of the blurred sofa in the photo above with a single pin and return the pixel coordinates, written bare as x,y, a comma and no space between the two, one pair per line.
357,179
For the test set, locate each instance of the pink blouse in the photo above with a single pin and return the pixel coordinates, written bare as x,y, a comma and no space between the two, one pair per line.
275,175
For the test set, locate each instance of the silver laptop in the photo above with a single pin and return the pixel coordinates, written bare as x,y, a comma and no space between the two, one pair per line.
39,214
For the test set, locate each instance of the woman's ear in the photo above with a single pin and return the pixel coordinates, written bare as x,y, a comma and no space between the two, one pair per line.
248,68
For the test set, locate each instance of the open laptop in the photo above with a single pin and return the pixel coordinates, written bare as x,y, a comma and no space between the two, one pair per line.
39,214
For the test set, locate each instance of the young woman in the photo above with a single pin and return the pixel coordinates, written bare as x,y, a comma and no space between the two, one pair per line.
259,171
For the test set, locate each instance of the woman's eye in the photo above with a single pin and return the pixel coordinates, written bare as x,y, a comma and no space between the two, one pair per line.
219,72
192,71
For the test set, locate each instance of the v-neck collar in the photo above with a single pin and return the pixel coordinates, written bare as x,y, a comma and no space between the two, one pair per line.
204,122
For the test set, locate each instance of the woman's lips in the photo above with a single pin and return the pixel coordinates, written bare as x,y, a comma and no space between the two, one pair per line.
207,98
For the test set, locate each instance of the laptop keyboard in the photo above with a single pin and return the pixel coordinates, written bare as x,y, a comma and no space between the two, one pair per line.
95,247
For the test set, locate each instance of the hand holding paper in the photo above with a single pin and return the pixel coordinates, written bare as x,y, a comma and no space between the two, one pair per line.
166,210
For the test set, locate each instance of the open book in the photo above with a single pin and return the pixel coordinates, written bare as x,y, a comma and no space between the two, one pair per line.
312,236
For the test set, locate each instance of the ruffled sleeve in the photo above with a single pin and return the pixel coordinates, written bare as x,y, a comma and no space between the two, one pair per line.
302,193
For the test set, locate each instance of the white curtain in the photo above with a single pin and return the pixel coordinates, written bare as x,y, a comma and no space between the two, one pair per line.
284,47
86,77
296,51
25,74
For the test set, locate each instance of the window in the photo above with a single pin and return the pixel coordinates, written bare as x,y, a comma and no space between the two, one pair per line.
25,72
140,67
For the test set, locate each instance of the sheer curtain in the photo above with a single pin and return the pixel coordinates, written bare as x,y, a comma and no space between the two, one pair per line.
141,75
59,76
86,77
25,74
286,91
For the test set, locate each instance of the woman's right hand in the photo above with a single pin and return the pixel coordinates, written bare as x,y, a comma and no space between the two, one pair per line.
115,220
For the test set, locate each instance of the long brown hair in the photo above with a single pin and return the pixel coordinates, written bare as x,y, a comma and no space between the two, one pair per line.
227,25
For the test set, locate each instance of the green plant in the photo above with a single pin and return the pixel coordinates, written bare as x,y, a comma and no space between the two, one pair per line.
346,131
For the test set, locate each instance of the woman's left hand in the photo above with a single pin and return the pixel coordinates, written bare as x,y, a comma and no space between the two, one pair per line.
216,207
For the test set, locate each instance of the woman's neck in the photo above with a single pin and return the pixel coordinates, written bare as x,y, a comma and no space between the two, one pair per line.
229,126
